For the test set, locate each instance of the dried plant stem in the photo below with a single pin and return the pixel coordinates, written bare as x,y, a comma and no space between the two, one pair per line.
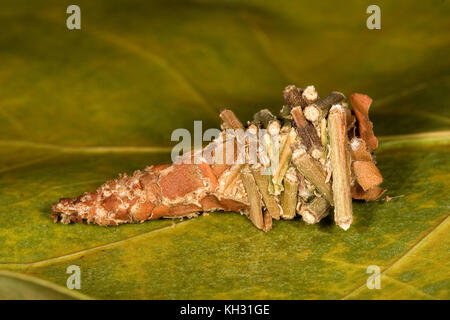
230,120
263,118
310,94
285,159
306,130
272,160
324,134
254,197
234,173
267,221
289,197
262,181
315,211
293,97
318,110
303,192
343,214
313,172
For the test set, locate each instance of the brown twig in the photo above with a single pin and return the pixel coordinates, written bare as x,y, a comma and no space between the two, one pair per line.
306,130
293,97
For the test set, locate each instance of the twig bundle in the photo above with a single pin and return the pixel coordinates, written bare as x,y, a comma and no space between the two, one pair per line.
318,155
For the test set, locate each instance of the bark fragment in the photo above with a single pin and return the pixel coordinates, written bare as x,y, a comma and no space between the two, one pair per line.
369,195
360,105
367,174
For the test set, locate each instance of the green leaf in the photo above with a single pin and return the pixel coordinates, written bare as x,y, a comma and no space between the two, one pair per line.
79,107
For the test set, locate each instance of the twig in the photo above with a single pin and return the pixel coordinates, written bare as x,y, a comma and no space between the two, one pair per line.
262,181
267,221
254,198
315,211
230,120
313,172
253,194
318,110
285,159
343,214
310,94
293,97
289,196
263,118
306,130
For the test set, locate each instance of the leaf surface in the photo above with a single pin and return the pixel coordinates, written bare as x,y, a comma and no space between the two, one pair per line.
79,107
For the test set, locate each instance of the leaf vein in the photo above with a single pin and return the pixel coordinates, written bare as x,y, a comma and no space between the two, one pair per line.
81,253
421,241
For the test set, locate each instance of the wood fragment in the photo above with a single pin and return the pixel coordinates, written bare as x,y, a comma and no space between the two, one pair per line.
318,110
267,221
369,195
360,105
293,97
285,114
305,130
230,120
324,134
310,95
290,194
312,171
262,181
254,198
351,122
272,143
367,174
285,159
343,214
358,150
315,211
263,118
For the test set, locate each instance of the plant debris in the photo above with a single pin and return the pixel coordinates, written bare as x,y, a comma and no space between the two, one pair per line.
324,159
